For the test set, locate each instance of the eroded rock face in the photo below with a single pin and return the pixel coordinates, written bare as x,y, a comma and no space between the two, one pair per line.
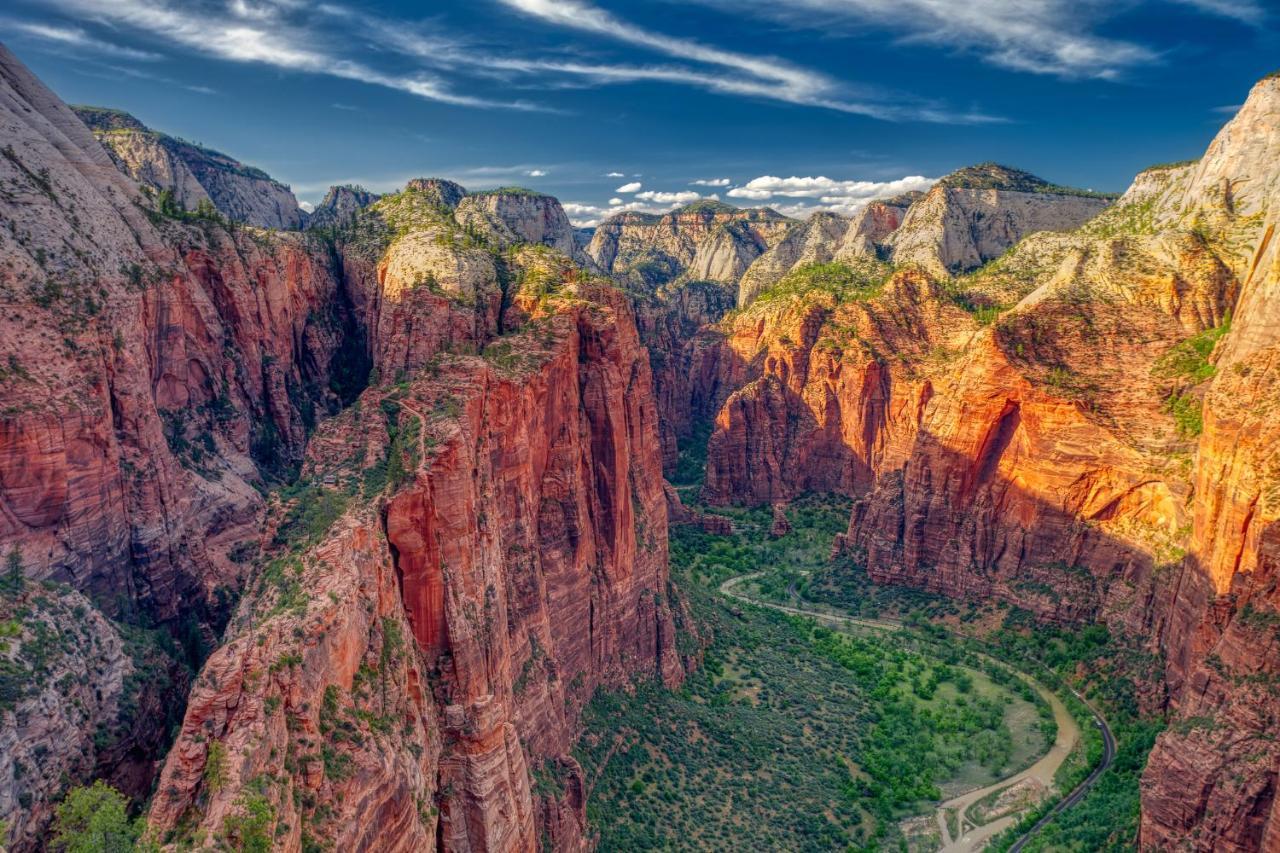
524,556
823,238
1210,781
518,216
153,369
340,206
706,240
193,174
974,215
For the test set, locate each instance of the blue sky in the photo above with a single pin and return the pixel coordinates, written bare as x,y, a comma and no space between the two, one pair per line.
610,105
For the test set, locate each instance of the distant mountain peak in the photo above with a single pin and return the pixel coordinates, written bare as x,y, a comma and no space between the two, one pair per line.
995,176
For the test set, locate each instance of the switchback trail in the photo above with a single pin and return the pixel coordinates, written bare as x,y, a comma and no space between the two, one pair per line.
972,835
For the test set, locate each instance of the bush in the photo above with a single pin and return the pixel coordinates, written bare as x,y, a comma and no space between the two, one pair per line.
94,820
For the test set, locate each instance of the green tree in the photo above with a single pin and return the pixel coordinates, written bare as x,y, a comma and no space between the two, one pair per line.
94,820
14,578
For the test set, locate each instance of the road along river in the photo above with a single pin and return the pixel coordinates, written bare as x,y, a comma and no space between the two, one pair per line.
971,836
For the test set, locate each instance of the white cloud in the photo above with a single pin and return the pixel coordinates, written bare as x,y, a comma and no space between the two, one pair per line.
629,188
672,198
536,173
307,206
583,215
240,34
827,194
711,182
615,175
78,38
751,76
1245,11
1056,37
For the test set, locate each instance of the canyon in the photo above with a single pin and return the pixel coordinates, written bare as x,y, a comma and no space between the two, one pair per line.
336,522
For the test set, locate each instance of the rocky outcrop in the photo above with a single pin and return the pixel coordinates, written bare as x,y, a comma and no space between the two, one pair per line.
192,174
1210,783
705,240
974,215
156,371
823,238
523,565
340,206
516,215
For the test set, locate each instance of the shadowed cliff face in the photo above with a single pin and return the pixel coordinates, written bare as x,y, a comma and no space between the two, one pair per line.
1211,779
525,561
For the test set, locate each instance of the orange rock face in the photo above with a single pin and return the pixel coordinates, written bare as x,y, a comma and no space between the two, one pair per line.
525,551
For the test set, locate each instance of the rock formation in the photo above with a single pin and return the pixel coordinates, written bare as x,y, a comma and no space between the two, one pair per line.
155,368
515,215
705,240
1030,393
340,206
823,238
523,564
192,174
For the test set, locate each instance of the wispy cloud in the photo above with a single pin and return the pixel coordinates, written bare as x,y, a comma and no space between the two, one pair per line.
584,215
1246,11
615,175
79,39
1057,37
262,33
634,186
752,76
711,182
536,173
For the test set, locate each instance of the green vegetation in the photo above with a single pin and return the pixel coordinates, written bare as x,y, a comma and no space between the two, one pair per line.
521,192
1188,414
1089,659
95,820
706,205
790,735
1183,367
1189,361
857,281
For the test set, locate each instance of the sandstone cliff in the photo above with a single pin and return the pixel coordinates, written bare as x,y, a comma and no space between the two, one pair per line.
193,174
518,216
1211,780
155,371
705,240
422,663
340,206
823,238
972,216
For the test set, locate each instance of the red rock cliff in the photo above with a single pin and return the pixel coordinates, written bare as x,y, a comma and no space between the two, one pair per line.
526,549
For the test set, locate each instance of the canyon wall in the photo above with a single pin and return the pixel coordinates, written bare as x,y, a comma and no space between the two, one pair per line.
192,174
1211,780
520,558
155,369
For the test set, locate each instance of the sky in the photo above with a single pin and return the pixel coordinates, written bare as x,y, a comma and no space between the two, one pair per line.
614,105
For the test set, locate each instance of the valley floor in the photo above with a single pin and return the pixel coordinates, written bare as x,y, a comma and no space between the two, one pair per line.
815,723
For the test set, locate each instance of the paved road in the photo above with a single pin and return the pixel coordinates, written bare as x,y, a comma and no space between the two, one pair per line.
1108,757
972,836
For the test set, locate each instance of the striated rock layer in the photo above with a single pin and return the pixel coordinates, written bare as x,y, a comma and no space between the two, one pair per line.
191,174
154,368
525,558
1210,783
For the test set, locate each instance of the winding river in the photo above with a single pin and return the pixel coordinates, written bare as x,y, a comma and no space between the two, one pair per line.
972,835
